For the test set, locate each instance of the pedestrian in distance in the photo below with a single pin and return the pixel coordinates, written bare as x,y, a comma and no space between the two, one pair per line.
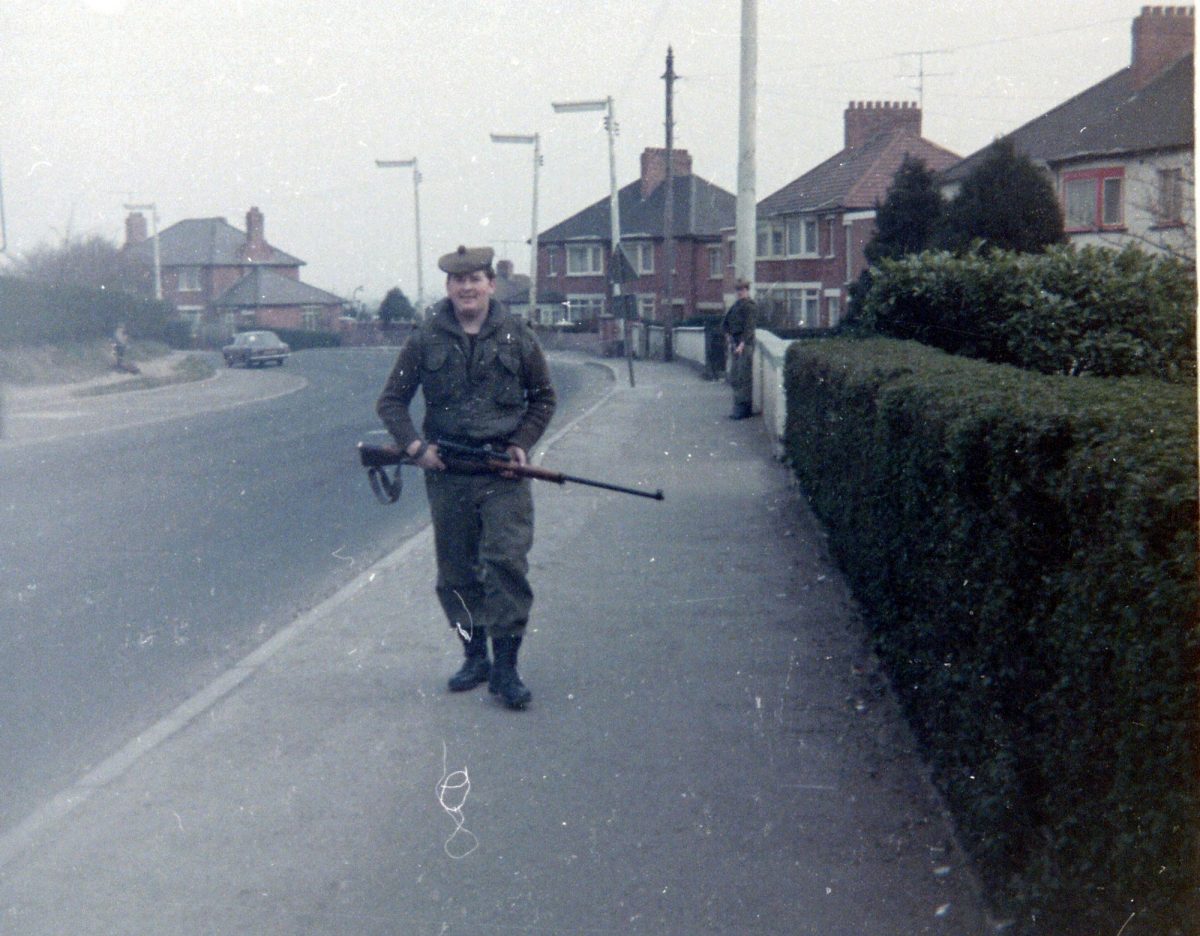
738,326
486,383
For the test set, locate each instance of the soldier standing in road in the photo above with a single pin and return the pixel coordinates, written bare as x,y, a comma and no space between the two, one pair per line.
739,330
485,382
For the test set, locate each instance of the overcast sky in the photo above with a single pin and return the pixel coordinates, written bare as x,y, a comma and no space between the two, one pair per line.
207,107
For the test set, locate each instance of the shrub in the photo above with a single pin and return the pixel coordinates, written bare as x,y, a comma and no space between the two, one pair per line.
1093,311
1024,548
299,339
36,313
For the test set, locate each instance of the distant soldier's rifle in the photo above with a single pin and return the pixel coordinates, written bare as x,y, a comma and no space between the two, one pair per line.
378,458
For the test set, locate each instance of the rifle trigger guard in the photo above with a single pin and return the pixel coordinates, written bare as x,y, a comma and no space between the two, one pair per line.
386,489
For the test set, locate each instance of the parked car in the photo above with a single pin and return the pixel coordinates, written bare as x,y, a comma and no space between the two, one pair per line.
256,347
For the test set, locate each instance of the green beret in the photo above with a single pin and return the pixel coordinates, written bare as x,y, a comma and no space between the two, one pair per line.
466,260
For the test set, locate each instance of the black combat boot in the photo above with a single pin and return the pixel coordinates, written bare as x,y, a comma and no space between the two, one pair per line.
475,669
741,411
504,680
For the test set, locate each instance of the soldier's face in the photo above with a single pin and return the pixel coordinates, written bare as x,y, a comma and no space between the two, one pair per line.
470,292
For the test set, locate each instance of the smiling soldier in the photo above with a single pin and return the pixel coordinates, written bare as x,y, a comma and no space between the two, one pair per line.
485,383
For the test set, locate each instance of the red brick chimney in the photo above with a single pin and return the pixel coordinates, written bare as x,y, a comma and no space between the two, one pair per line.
256,243
1162,35
654,167
865,119
135,228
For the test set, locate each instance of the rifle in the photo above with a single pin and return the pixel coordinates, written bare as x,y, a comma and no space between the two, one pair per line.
378,458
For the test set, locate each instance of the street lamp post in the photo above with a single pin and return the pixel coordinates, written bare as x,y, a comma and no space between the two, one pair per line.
614,211
152,207
405,164
533,237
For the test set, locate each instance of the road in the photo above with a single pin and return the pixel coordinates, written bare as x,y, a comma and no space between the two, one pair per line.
137,563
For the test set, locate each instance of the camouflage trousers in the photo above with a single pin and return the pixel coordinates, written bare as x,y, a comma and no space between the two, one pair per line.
741,376
482,531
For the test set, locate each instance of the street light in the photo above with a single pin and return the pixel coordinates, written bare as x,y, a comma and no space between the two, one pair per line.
614,211
153,209
533,237
404,164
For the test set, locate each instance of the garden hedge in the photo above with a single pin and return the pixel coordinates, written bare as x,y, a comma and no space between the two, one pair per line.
1024,548
1092,311
38,313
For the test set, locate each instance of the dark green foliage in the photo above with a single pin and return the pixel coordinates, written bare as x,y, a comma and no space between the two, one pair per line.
396,307
1024,548
1007,203
40,313
909,217
1092,311
299,339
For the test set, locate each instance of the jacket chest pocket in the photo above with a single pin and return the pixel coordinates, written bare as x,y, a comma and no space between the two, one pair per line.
505,368
444,377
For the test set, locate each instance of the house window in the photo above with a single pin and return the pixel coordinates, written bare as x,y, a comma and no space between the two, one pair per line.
833,308
830,233
773,239
1169,209
1093,199
802,306
716,268
584,260
645,307
643,257
189,279
552,261
792,237
310,316
584,308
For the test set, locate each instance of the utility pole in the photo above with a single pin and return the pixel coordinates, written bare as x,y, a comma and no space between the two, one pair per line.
746,233
669,216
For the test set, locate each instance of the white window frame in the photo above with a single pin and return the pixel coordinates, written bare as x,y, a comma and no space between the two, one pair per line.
189,279
646,303
716,262
643,256
582,307
1168,207
592,256
552,261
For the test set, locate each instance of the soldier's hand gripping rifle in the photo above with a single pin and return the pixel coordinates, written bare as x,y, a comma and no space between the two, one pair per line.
378,458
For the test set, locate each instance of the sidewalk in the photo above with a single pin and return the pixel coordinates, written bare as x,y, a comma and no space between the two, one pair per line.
710,749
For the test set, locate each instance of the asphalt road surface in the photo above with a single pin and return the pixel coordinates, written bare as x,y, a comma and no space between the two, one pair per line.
137,563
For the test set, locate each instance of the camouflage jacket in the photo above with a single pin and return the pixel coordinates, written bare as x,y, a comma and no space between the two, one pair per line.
492,387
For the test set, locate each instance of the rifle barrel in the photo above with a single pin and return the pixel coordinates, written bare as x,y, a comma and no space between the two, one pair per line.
381,456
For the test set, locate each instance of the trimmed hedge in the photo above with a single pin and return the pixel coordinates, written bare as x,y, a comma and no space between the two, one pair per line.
298,339
1065,311
38,313
1024,548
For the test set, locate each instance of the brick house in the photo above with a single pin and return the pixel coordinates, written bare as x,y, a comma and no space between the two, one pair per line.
573,255
811,233
222,279
1121,154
